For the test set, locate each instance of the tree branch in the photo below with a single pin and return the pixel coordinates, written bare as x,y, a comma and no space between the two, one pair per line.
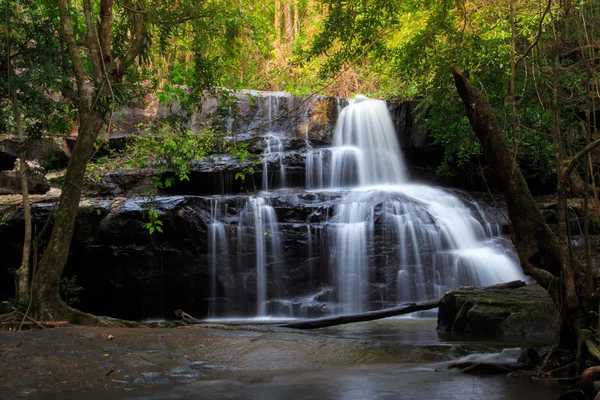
133,10
539,34
91,43
580,49
105,30
135,49
67,27
569,168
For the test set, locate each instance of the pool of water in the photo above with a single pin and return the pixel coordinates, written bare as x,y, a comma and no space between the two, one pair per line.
422,332
420,381
401,381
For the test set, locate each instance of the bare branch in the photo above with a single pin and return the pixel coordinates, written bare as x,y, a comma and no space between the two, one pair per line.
537,37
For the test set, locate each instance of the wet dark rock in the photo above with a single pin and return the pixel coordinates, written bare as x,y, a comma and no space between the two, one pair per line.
572,394
529,357
120,183
495,312
483,368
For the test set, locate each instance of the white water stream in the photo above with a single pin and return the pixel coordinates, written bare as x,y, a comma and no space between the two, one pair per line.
386,240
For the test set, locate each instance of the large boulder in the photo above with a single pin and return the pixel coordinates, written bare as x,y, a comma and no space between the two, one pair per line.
10,183
496,312
49,152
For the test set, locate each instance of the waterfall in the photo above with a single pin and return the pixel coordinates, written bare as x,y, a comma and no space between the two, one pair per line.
217,239
273,151
372,239
267,246
439,243
366,146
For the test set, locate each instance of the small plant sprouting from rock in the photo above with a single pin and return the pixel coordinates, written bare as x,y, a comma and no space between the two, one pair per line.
153,224
70,290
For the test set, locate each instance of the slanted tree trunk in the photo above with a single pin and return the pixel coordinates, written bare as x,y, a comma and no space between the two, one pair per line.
93,110
538,249
47,302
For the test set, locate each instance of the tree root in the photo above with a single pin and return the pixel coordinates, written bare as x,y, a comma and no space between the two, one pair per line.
187,318
588,352
77,317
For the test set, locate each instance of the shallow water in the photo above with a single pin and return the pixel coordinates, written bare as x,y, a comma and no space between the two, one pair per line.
403,381
422,332
421,380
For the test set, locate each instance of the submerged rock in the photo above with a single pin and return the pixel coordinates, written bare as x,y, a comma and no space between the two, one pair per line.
529,357
485,368
496,312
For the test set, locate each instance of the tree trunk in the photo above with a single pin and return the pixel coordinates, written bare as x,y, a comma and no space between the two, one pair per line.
46,297
537,247
277,20
287,17
22,274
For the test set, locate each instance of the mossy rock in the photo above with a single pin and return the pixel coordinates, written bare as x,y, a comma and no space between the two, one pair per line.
525,311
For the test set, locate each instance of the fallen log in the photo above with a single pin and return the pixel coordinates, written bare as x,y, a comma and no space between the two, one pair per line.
362,317
367,316
385,313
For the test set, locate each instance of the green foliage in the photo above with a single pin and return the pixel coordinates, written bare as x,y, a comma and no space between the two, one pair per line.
70,290
168,150
30,32
92,209
419,42
153,224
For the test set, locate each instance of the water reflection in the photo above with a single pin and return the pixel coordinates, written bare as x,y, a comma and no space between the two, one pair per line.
405,381
418,381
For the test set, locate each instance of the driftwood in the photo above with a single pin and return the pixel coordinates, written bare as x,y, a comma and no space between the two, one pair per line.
187,318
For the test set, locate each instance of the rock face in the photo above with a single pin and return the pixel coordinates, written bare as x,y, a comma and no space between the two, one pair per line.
216,258
48,152
128,273
10,183
281,131
527,311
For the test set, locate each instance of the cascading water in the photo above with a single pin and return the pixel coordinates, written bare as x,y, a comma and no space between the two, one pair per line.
372,239
261,216
274,151
217,238
438,243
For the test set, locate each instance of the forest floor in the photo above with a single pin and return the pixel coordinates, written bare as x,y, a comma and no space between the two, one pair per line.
76,358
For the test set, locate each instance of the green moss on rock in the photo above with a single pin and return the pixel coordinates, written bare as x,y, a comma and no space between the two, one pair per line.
495,312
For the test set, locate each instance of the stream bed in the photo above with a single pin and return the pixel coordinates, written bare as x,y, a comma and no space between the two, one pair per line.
424,379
